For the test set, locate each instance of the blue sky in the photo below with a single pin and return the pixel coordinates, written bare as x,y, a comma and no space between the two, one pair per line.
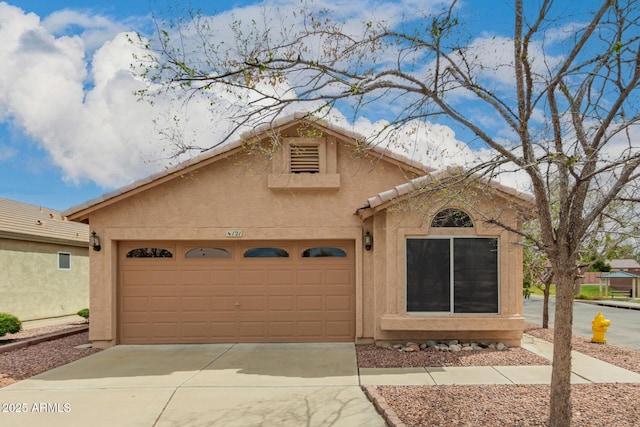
70,128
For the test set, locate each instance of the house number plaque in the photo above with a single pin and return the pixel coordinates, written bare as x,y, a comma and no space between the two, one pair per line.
234,233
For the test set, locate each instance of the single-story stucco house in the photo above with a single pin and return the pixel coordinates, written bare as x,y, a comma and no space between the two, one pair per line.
44,262
300,232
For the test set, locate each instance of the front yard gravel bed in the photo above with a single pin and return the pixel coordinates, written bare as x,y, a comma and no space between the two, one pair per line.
370,356
594,405
26,362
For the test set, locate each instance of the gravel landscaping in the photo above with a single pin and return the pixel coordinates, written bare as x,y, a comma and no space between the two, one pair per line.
510,405
26,362
495,405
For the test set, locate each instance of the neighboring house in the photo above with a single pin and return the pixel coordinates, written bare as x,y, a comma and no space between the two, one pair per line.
628,265
301,233
44,262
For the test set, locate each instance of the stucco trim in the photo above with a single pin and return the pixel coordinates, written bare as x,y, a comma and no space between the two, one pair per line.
453,322
304,181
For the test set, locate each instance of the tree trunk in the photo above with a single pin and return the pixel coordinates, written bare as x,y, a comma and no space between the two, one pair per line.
560,405
545,307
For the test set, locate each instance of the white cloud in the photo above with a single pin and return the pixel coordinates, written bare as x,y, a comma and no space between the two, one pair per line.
101,132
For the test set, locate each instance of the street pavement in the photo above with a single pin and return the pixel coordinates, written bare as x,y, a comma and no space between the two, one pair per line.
625,323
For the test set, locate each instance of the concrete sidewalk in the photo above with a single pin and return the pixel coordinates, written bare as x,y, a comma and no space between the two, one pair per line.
585,369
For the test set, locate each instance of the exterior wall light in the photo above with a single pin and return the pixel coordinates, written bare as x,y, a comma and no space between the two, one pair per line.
368,241
94,241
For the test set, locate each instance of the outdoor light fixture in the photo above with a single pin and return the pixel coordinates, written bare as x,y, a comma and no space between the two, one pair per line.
368,241
94,241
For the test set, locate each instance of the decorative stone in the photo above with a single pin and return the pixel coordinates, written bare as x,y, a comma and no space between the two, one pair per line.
423,346
475,346
500,346
492,346
432,343
409,349
467,348
398,346
453,342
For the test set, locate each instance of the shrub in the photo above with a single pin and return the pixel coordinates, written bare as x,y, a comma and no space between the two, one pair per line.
9,324
84,313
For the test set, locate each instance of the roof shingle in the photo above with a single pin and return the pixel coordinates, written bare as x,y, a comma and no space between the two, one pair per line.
23,221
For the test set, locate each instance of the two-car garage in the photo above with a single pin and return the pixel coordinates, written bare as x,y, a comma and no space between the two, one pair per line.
235,291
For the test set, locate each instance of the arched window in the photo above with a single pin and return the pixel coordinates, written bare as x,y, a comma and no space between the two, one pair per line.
149,253
207,252
266,253
451,217
323,252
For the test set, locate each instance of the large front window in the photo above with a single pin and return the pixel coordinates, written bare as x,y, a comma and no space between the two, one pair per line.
452,274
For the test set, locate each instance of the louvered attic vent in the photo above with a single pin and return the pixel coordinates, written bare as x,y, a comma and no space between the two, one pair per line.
305,159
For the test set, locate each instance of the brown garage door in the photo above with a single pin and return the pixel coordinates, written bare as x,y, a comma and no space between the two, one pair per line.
236,291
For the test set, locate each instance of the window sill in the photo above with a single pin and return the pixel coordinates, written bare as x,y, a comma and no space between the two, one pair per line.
304,181
452,322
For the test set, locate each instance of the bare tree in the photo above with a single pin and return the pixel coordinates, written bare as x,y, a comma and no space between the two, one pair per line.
567,94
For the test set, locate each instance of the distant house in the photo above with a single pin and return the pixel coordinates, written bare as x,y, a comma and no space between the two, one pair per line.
628,265
44,262
320,240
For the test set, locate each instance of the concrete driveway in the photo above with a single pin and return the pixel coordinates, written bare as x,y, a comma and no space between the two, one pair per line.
197,385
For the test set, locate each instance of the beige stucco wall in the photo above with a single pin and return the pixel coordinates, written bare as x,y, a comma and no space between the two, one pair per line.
413,219
32,286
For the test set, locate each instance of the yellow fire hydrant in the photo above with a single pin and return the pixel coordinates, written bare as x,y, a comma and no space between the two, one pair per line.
599,327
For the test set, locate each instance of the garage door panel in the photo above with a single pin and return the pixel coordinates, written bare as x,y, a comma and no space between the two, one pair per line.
164,304
164,277
195,304
222,277
310,303
252,329
280,303
280,277
223,303
339,303
135,304
311,329
309,277
237,299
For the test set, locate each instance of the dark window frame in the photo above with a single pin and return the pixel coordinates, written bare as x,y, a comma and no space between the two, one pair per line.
209,250
323,252
67,264
149,253
455,282
262,252
452,218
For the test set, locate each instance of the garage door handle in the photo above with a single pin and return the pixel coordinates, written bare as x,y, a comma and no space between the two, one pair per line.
237,304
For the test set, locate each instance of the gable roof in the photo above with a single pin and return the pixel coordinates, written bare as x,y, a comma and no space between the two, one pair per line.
619,264
438,180
22,221
81,212
618,275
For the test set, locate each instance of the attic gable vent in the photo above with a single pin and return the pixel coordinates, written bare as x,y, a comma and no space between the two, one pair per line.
305,158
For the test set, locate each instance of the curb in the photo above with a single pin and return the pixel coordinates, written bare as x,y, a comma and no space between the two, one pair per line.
612,304
379,402
42,338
